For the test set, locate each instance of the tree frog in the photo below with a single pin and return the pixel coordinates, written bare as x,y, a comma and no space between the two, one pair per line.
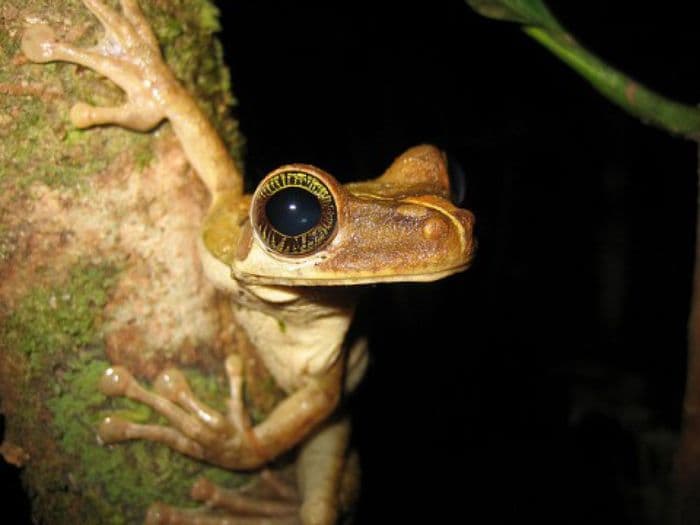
292,256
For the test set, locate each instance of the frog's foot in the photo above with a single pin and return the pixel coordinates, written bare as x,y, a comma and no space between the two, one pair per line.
197,429
127,54
279,505
270,501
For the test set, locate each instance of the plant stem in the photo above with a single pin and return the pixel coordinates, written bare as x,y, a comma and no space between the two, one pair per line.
624,91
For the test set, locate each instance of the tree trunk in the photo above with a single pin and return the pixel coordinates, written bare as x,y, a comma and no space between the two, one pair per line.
98,266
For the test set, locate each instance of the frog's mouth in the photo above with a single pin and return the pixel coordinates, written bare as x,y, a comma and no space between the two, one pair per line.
348,280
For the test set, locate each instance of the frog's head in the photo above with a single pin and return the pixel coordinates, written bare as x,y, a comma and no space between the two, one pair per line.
305,228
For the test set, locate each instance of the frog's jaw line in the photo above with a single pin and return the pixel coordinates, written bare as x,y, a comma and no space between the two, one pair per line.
423,277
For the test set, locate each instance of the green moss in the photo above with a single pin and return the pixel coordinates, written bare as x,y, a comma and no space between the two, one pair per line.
209,17
42,146
186,31
128,476
7,244
37,140
142,158
61,320
57,331
210,389
54,333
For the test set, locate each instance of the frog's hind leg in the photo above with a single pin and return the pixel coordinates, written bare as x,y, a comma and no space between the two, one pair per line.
161,515
328,477
278,505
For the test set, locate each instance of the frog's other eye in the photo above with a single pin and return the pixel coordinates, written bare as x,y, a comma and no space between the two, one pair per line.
458,180
294,212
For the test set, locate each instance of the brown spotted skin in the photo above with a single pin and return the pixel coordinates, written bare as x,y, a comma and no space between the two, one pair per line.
396,238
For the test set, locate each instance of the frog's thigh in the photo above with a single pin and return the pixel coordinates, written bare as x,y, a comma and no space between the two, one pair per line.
358,360
321,469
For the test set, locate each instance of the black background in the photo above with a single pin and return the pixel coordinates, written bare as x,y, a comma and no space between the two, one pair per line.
545,383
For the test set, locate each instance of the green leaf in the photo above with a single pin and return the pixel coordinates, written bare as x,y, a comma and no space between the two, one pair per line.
621,89
527,12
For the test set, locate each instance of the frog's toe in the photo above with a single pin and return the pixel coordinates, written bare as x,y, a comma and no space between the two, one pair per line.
197,423
112,430
225,507
170,383
129,29
111,20
84,116
236,502
38,43
116,381
133,13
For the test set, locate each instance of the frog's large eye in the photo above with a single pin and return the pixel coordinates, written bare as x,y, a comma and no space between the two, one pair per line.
294,212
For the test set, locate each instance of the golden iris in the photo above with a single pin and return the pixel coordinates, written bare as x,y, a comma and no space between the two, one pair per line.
294,213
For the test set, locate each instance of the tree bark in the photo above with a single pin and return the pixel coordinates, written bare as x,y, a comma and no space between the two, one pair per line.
98,266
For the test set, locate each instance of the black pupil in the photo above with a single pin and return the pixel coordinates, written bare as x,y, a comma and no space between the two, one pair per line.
293,211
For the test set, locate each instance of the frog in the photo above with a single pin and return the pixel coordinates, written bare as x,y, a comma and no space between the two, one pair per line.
293,256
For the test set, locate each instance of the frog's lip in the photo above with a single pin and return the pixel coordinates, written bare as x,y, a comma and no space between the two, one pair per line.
350,280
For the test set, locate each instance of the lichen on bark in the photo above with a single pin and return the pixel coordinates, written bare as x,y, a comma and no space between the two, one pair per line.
98,265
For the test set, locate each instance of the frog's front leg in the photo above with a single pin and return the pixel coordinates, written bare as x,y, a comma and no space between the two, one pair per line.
229,440
128,54
327,481
123,55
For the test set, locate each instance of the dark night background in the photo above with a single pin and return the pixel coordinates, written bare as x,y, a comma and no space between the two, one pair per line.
545,383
